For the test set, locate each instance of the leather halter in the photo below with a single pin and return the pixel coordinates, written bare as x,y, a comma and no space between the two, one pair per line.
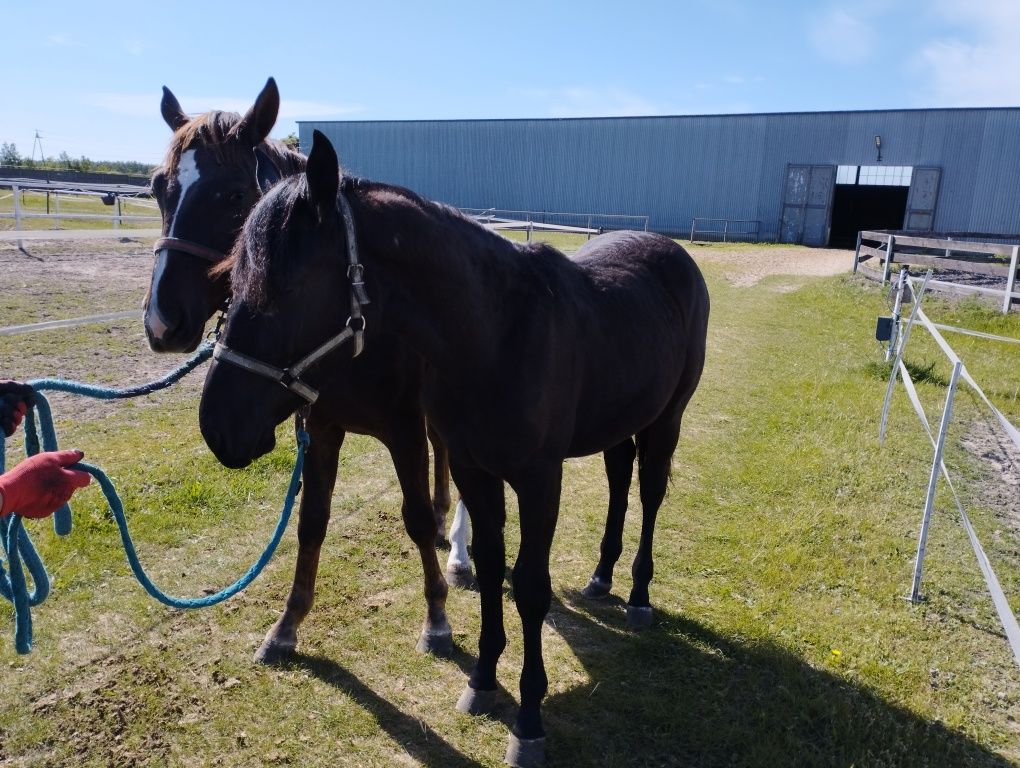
290,377
187,246
266,174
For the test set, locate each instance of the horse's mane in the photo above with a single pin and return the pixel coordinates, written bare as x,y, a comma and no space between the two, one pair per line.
260,262
257,259
213,130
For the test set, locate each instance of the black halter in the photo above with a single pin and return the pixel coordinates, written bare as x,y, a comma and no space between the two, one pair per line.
290,377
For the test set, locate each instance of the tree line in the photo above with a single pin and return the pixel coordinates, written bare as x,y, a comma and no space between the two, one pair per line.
10,156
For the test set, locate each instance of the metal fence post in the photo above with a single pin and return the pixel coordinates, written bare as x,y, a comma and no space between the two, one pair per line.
1010,280
857,253
901,284
922,542
694,223
116,221
56,210
890,245
899,356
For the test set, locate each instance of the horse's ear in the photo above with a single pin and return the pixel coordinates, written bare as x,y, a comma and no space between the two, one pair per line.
260,119
323,173
171,110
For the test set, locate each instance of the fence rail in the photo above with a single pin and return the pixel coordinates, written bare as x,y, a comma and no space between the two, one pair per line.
108,196
726,230
984,259
938,469
593,221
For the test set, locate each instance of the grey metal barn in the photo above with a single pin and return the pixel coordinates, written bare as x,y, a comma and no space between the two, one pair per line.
813,177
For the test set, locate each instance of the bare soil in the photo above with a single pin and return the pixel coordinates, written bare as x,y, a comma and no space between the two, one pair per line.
748,265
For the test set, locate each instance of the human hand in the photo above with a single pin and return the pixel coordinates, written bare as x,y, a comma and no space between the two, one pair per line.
40,484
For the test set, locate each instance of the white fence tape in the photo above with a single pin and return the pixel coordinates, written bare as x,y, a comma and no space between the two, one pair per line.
1007,426
1009,622
1002,607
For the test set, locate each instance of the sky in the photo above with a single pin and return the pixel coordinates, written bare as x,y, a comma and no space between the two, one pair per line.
88,76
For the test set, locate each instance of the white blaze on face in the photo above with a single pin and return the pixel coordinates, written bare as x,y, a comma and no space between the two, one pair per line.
187,175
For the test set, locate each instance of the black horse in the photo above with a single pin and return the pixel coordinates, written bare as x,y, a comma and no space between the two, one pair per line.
533,357
215,169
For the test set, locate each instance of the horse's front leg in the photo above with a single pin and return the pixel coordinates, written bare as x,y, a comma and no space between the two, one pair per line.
318,479
538,496
409,452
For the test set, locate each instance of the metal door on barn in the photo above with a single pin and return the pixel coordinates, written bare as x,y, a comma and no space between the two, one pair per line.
807,204
921,200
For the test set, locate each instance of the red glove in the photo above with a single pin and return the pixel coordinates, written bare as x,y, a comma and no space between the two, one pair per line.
15,398
40,484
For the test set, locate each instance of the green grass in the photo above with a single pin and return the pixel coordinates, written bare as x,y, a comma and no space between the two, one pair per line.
36,202
788,535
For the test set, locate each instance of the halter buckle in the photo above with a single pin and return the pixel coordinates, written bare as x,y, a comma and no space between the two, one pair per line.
357,324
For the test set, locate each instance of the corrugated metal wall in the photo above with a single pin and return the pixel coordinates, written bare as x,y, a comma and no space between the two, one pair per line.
675,168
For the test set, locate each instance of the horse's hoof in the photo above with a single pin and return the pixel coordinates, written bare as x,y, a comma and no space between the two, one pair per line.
461,578
597,589
525,753
272,652
437,643
476,702
639,617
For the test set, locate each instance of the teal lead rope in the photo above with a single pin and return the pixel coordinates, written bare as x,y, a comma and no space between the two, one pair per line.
21,554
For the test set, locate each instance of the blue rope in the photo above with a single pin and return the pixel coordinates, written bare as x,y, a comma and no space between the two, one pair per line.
21,554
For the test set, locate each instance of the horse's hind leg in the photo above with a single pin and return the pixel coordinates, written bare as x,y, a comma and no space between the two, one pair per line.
619,462
656,445
411,460
458,564
440,484
318,478
484,495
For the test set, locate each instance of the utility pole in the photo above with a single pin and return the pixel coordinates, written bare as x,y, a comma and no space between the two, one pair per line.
38,143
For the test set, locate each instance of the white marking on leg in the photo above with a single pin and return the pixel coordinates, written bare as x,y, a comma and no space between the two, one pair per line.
187,174
459,561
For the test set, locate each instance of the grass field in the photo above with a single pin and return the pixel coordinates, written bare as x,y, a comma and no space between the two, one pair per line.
783,552
39,202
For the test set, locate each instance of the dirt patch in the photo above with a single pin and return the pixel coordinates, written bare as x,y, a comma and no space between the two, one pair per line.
999,487
748,266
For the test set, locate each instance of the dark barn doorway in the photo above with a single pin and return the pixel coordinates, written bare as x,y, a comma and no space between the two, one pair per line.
868,197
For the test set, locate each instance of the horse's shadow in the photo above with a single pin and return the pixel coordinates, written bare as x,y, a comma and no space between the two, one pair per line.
682,694
428,749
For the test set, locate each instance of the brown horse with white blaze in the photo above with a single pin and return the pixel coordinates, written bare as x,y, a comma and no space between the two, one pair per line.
216,169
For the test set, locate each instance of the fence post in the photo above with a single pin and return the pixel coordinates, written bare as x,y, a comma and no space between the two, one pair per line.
116,221
17,212
890,245
857,252
1010,280
901,285
922,542
918,295
726,231
694,223
56,209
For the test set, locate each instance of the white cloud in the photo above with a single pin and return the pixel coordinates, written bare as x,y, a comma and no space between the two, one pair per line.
978,65
841,36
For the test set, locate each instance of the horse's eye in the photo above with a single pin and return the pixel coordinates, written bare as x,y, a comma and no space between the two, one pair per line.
237,195
158,184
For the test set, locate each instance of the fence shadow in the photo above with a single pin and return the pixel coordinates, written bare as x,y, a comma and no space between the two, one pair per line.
681,694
